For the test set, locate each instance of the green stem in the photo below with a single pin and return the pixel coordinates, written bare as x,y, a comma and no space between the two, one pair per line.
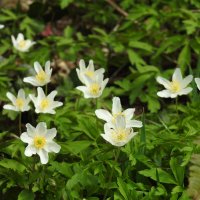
117,152
177,105
20,123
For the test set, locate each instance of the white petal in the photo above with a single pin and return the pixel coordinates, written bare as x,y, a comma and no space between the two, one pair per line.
197,80
13,40
100,71
10,107
37,67
131,135
47,67
11,97
21,94
163,82
50,134
120,122
107,138
44,158
30,150
41,94
177,76
41,128
164,93
32,80
52,95
82,65
186,81
26,138
91,65
133,123
31,131
129,113
56,104
104,115
116,106
53,147
20,37
185,91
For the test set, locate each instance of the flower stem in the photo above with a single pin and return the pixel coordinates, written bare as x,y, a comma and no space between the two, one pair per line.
177,106
20,123
117,152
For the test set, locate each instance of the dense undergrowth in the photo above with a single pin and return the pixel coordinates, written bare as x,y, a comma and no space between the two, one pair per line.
134,41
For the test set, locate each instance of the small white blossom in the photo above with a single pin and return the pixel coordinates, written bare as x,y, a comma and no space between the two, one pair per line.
117,111
177,87
118,134
42,77
19,103
89,71
21,44
43,103
93,87
197,81
1,26
40,141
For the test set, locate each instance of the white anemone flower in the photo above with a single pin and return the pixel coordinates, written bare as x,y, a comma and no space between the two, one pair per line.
42,77
19,103
43,103
93,87
117,111
21,44
177,87
1,26
40,141
89,71
118,134
197,81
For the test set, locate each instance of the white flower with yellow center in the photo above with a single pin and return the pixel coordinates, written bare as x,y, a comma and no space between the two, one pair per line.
177,87
42,77
118,134
93,87
21,44
40,141
117,111
1,26
43,103
19,103
89,71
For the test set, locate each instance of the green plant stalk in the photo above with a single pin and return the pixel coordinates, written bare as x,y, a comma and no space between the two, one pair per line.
20,123
117,152
177,106
46,89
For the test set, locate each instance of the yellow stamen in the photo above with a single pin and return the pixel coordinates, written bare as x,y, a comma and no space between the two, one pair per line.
120,135
22,44
44,103
41,76
95,88
39,141
89,74
175,86
19,103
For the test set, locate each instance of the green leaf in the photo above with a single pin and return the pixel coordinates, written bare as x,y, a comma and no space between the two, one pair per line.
163,176
122,188
141,45
135,58
12,164
65,3
26,195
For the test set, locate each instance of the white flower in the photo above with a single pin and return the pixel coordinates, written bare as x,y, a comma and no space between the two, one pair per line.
21,44
42,77
43,103
1,26
118,134
93,87
117,111
177,87
89,71
197,81
40,141
19,103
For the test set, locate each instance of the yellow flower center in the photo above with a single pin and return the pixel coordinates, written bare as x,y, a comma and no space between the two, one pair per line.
39,141
44,103
89,74
19,103
120,135
41,76
175,86
95,88
22,44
